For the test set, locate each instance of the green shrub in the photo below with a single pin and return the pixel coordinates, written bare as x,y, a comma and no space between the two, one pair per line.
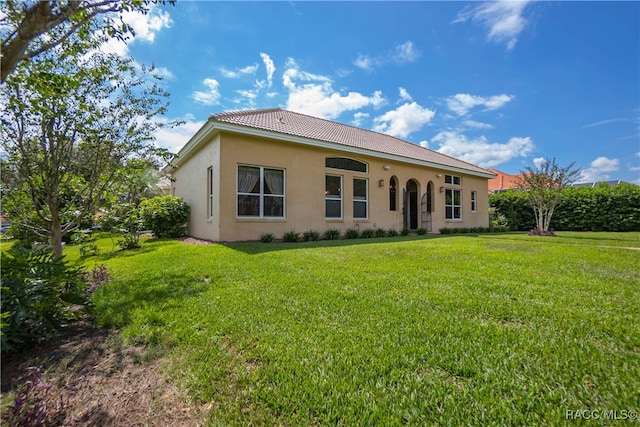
392,232
129,241
352,233
267,238
332,234
368,233
310,236
515,208
166,216
405,231
421,231
37,291
497,221
601,208
380,232
291,237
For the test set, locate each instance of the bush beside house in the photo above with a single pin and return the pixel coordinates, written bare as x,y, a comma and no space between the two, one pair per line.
601,208
166,216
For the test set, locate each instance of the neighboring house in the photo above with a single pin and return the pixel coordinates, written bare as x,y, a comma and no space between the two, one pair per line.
594,184
164,184
503,181
272,171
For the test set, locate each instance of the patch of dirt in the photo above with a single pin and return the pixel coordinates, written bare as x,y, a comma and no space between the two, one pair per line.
194,241
96,381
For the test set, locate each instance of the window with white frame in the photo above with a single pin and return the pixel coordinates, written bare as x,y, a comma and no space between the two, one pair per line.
453,203
474,201
333,196
260,192
210,192
452,179
360,198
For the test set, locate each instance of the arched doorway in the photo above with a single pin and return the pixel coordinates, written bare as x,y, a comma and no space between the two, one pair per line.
410,205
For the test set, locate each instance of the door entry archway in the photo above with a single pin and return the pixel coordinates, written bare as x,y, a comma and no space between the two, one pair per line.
410,205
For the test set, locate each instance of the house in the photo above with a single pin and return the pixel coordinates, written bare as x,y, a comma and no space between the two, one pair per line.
503,181
272,171
595,184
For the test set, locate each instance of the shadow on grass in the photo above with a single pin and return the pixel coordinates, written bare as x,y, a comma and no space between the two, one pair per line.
580,238
252,248
117,302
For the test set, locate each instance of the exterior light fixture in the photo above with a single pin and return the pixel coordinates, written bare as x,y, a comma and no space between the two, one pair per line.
381,183
386,167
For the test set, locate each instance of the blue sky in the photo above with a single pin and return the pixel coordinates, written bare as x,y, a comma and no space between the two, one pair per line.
498,84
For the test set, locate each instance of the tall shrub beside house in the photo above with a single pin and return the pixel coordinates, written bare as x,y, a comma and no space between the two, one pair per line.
166,216
513,204
602,208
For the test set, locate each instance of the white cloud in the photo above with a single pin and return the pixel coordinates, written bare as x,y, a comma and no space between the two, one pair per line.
424,143
210,97
404,95
404,120
145,27
539,162
358,118
402,53
173,139
269,65
480,151
503,20
313,94
364,62
463,102
163,73
405,53
239,72
598,170
477,125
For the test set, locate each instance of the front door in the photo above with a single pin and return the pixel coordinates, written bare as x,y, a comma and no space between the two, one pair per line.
411,205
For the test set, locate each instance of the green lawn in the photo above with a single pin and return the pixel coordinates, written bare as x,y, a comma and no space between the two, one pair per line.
501,329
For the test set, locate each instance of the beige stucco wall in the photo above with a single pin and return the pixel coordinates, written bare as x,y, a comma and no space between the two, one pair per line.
190,183
304,190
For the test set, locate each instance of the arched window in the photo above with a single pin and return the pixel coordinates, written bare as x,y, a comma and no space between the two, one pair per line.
345,163
393,194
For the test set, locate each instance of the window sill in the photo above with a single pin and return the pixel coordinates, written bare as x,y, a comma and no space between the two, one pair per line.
258,219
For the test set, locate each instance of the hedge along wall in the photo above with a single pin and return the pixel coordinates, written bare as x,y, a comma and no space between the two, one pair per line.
602,208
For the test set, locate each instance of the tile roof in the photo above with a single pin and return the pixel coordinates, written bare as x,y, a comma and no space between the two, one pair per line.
503,181
300,125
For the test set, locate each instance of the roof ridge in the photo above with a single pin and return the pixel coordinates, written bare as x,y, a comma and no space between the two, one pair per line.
231,113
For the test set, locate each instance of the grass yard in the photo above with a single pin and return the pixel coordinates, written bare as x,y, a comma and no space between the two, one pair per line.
500,329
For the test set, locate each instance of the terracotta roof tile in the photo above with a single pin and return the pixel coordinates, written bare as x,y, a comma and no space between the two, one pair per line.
300,125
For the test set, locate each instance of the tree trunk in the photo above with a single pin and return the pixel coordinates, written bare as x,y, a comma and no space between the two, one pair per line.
36,21
56,237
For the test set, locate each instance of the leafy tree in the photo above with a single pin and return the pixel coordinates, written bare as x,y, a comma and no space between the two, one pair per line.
70,119
543,185
26,22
